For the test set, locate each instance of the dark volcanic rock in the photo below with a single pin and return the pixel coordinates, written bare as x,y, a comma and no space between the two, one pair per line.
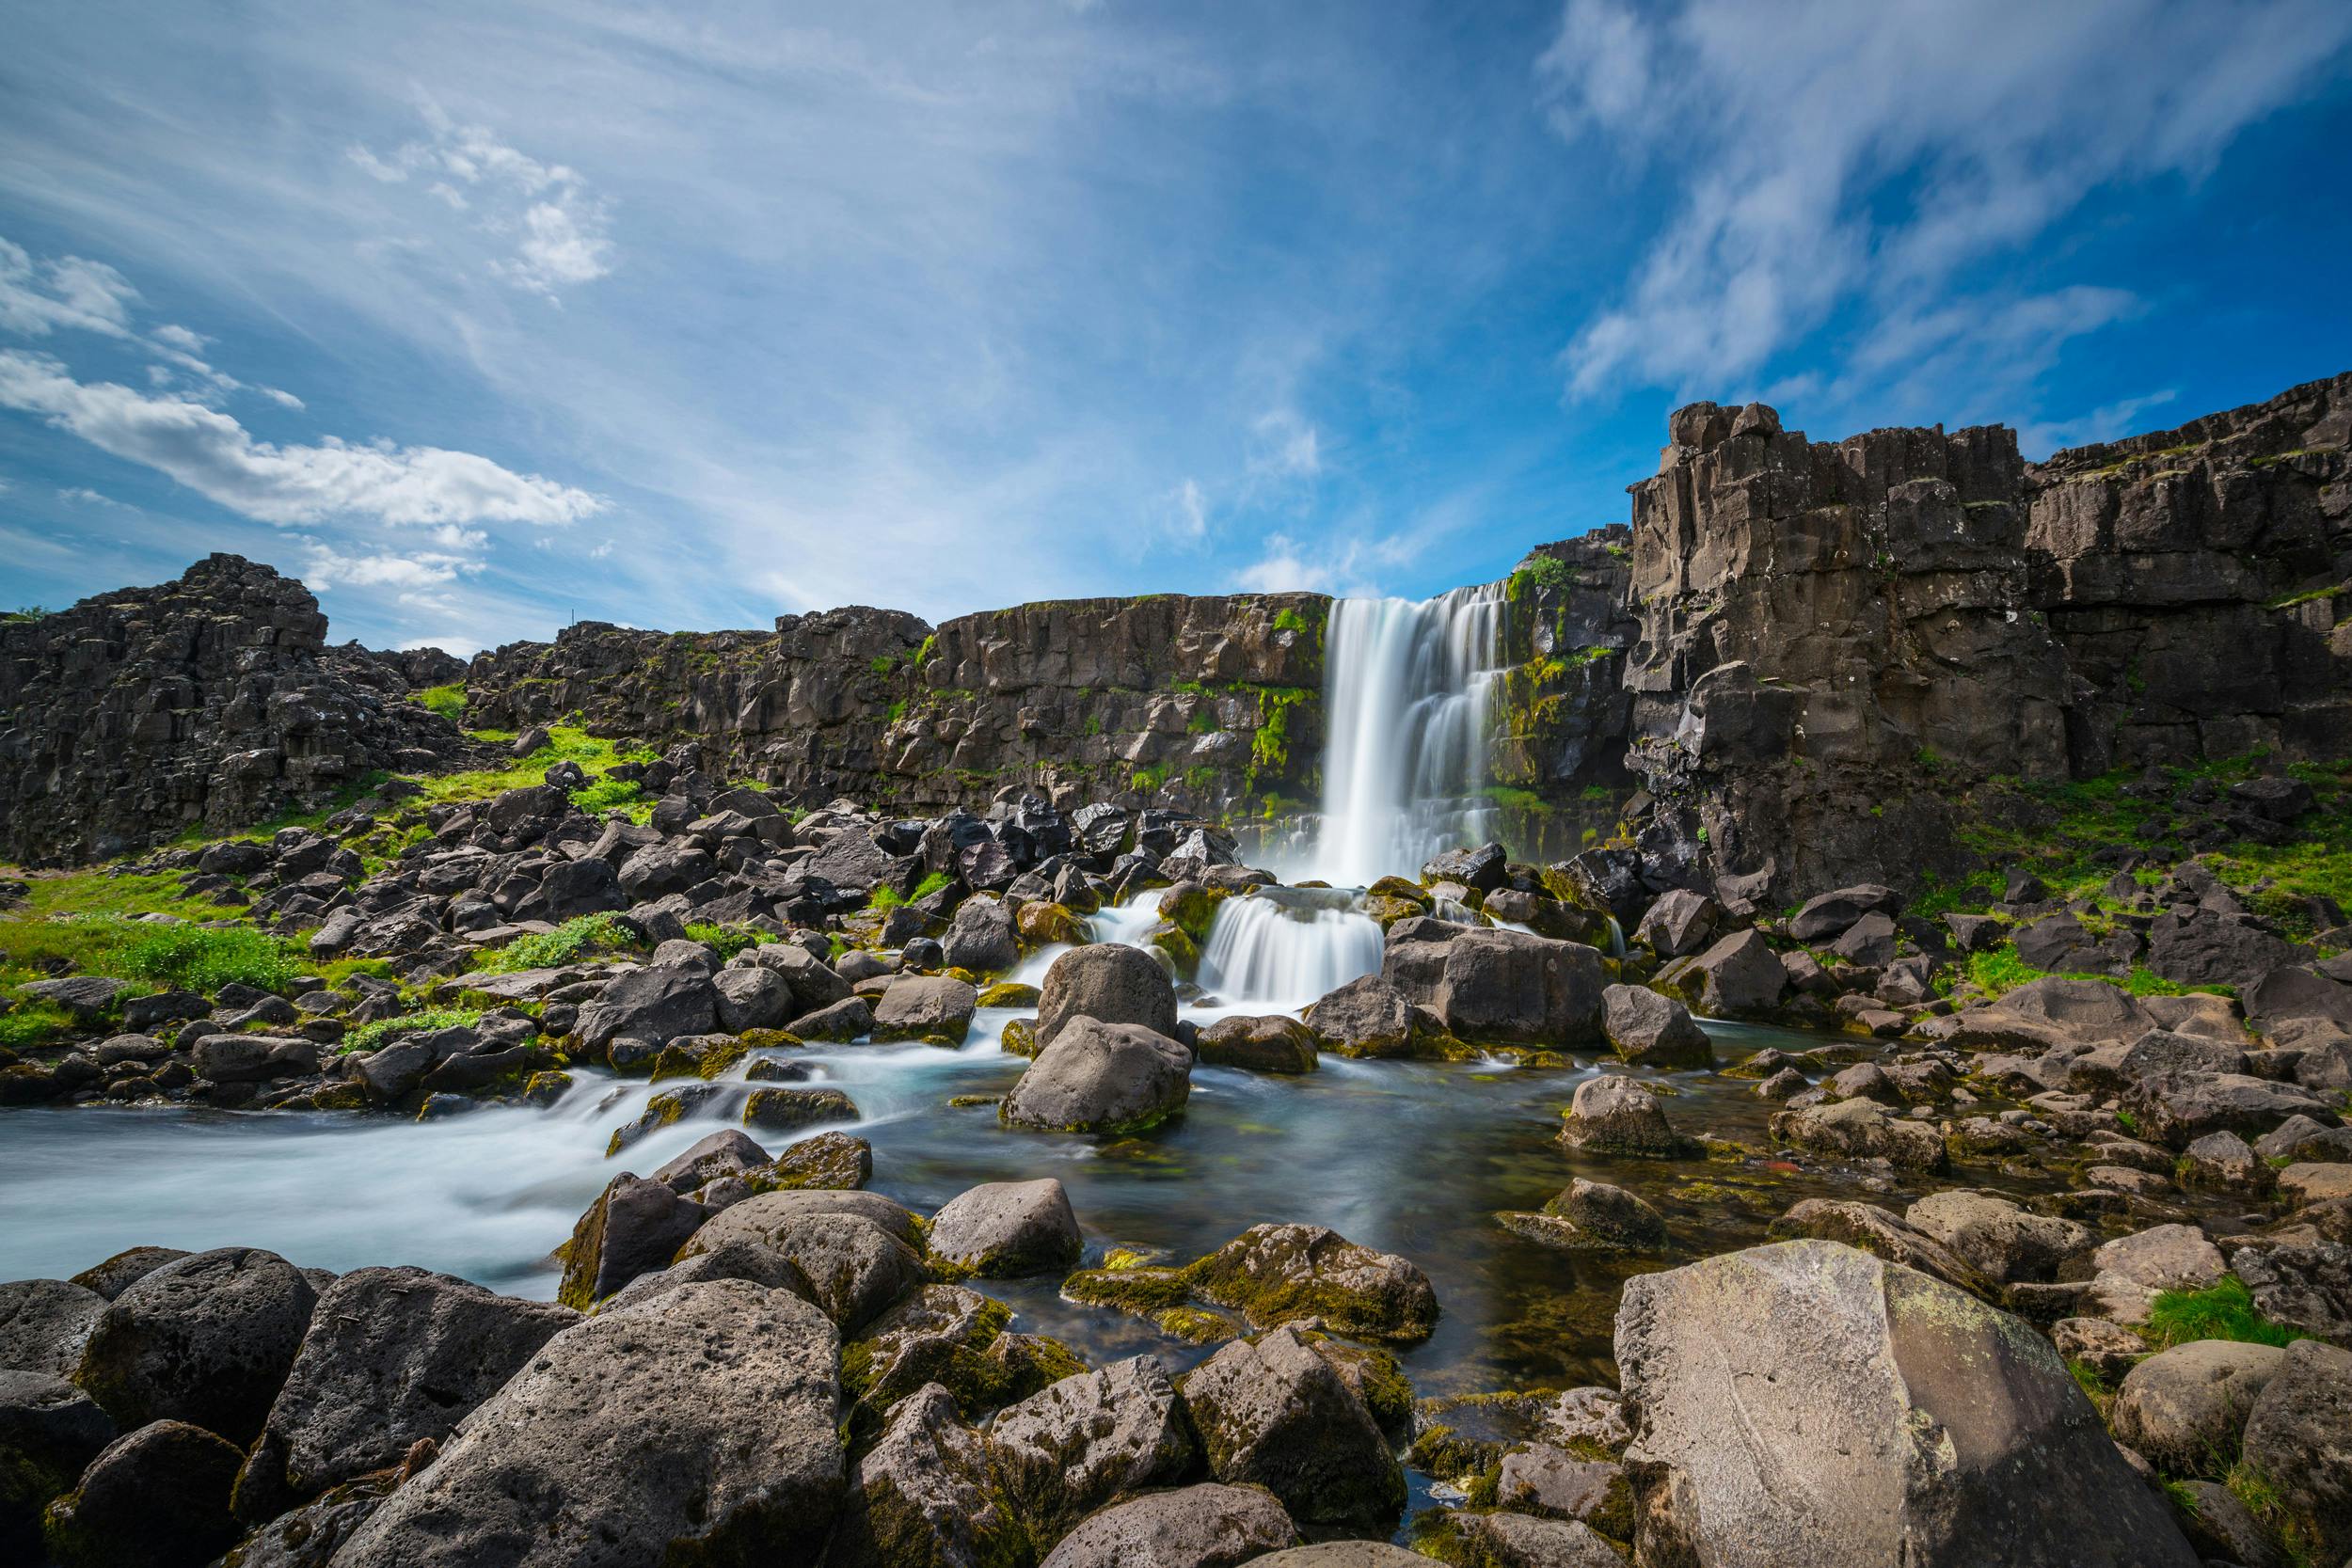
206,1339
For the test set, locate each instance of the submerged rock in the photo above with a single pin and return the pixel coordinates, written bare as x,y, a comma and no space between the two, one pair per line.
1807,1403
1616,1115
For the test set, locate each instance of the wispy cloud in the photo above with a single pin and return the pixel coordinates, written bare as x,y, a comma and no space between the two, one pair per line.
1826,156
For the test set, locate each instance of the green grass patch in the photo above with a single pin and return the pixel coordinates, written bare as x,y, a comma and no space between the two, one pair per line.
368,1037
728,939
2223,1311
80,895
33,1025
605,794
152,956
448,701
2000,971
589,936
568,743
1289,620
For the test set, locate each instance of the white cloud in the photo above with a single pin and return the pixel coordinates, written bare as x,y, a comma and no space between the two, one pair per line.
1785,129
211,454
82,495
2107,423
330,568
558,227
37,298
1285,446
1188,512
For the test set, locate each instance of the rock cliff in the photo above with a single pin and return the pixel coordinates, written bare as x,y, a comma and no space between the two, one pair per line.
211,701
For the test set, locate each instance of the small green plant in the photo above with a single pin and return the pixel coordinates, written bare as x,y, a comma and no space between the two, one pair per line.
605,794
587,935
196,957
368,1037
2223,1311
27,612
728,939
2000,971
1546,573
1289,620
35,1023
448,701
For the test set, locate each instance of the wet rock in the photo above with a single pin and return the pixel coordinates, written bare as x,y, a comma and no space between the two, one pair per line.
849,1018
207,1340
2296,1438
1807,1403
1274,1414
157,1497
922,1495
1279,1274
1193,1526
1516,1541
1110,982
1862,1130
856,1248
1997,1237
699,1426
633,1227
829,1160
1615,1115
1740,976
981,938
934,1007
44,1324
2182,1408
1495,986
1367,1017
1276,1043
653,1006
1650,1030
727,1152
49,1432
953,1337
1873,1230
761,1265
785,1110
1100,1078
393,1357
1065,1452
1593,1213
1004,1229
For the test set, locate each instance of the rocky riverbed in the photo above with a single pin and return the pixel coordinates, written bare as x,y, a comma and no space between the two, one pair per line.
738,1185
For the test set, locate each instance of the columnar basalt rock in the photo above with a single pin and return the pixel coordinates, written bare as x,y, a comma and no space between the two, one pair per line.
211,701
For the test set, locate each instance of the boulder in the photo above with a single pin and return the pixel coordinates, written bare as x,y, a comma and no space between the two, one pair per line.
857,1265
1593,1213
1650,1030
1274,1414
1344,1554
699,1426
815,985
1004,1229
934,1008
1065,1452
752,996
1110,983
2005,1242
954,1336
1678,924
1616,1115
1366,1017
833,1159
786,1110
849,1018
1101,1077
1193,1526
2178,1108
254,1058
207,1340
1510,987
727,1152
393,1357
2299,1438
1274,1043
49,1432
1827,915
2128,1272
2214,947
157,1497
124,1268
923,1495
1553,1483
1516,1541
981,939
1862,1130
1806,1403
1279,1274
1884,1235
45,1324
1737,977
761,1265
633,1227
653,1005
2182,1408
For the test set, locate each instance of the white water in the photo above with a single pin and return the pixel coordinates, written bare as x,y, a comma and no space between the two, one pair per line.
1285,947
1406,696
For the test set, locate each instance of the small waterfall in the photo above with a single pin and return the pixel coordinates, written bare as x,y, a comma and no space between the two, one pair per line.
1286,946
1406,686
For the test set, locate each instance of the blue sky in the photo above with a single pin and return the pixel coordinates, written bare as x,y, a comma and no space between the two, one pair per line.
480,317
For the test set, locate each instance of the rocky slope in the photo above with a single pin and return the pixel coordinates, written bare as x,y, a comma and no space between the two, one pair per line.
211,702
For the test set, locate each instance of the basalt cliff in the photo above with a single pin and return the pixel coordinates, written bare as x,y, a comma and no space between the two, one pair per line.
1800,665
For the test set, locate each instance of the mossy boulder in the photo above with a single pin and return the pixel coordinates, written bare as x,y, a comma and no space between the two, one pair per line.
786,1109
1279,1274
1043,925
953,1337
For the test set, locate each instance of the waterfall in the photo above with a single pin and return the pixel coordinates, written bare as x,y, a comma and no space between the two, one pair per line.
1286,946
1405,690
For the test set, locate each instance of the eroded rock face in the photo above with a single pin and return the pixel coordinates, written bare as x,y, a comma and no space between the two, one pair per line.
209,701
701,1425
1072,1448
1807,1403
1274,1413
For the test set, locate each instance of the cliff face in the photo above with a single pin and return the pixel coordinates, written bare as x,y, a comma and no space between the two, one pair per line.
1212,705
211,701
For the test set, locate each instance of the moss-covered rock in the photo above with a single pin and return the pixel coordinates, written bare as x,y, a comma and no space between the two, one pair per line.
1009,993
1279,1274
1043,925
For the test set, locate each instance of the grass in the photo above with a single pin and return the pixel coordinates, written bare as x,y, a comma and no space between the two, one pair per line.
605,794
2223,1311
84,894
448,701
1289,620
726,939
370,1036
1544,571
887,898
194,957
35,1023
568,743
588,936
2000,971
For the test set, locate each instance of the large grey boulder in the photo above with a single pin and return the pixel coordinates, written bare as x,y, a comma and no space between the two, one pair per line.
1367,1017
44,1324
815,984
934,1008
157,1497
653,1005
1101,1077
1884,1235
762,1265
392,1356
1739,976
1069,1449
1616,1115
1826,916
1110,982
1680,923
1811,1407
1007,1228
981,938
753,997
698,1427
207,1340
2182,1408
857,1261
1274,1042
1193,1526
1510,988
2003,1240
634,1227
2299,1438
2178,1108
1275,1415
1650,1030
923,1495
125,1269
1279,1274
1862,1130
253,1059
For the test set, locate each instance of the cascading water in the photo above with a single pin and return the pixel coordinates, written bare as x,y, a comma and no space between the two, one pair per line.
1287,947
1407,689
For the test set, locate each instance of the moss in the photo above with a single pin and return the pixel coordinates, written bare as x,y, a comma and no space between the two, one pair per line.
1181,953
368,1037
1193,1325
448,701
575,940
1009,993
1142,1290
1287,618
